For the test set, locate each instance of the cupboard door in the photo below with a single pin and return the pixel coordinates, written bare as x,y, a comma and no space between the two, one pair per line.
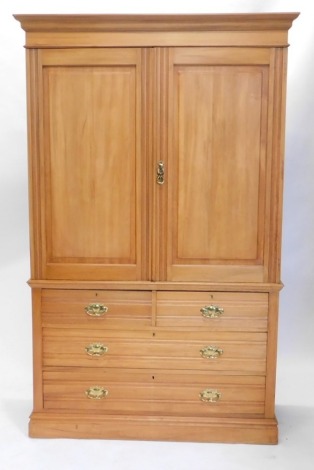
216,164
94,210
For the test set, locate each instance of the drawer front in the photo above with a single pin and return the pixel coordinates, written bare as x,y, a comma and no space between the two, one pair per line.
224,311
153,393
96,309
239,352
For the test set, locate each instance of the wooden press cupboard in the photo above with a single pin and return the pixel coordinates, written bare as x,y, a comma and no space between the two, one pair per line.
156,168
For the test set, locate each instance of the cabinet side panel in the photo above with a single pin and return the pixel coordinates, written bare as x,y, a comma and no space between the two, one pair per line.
33,162
277,162
271,355
37,350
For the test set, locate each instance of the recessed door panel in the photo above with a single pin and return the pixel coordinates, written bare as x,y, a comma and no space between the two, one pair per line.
217,169
93,164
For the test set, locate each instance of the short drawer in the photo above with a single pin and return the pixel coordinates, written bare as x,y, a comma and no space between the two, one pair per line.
153,393
96,309
243,353
227,311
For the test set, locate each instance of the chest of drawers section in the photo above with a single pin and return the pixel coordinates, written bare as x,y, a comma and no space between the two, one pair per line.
201,354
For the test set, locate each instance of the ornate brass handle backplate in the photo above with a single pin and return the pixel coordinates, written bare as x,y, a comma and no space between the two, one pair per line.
96,349
210,396
211,311
96,310
96,392
211,352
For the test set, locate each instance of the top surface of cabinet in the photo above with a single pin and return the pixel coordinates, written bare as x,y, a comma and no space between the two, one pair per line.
244,21
269,29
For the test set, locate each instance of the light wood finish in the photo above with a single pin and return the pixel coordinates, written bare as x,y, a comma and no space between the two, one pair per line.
147,392
33,167
37,351
215,108
242,311
109,97
271,353
245,353
153,39
156,30
161,144
125,309
199,429
81,172
157,286
143,23
277,162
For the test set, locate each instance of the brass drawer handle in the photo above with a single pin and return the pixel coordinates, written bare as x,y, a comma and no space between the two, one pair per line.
211,352
96,310
96,349
96,392
210,396
211,311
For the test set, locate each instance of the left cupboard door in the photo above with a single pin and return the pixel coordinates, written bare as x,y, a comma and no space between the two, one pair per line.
91,164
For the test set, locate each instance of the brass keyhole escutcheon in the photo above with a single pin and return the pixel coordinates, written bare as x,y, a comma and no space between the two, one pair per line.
160,173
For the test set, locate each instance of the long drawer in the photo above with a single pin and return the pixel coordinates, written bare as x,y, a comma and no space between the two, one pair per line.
153,392
237,352
215,311
96,309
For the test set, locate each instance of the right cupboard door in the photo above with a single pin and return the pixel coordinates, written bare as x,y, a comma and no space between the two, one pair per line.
217,164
